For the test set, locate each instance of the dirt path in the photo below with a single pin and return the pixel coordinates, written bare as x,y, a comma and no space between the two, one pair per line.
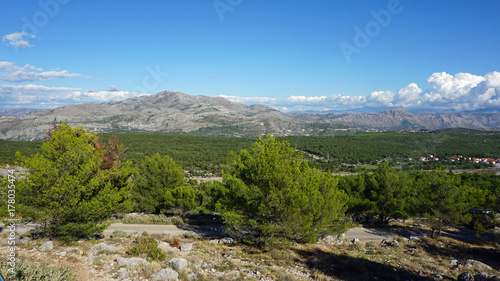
214,230
203,230
361,233
210,230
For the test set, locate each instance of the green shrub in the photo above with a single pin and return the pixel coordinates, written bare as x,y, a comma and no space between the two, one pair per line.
146,246
159,185
119,233
273,194
29,272
190,235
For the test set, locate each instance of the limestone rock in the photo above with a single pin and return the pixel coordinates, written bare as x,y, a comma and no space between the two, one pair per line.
165,275
47,246
414,238
104,247
122,273
178,263
330,239
466,276
186,247
130,262
192,276
226,240
477,264
23,241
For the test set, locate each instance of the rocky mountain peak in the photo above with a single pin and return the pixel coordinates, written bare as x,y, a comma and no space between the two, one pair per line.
178,112
398,113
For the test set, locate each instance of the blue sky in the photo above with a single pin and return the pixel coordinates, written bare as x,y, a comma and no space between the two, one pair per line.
293,55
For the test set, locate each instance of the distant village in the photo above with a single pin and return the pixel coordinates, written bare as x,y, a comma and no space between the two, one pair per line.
457,158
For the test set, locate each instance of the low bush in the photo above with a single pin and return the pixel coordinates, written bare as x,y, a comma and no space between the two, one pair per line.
153,219
146,246
119,233
29,272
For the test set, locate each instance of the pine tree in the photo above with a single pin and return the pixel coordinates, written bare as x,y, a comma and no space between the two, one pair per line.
272,193
160,186
441,199
387,190
74,184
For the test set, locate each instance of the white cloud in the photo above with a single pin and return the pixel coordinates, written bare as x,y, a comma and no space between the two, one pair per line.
462,91
18,39
380,98
459,92
408,96
38,96
303,99
9,72
250,100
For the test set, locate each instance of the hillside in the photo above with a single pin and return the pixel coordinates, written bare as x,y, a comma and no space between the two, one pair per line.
397,119
179,113
165,112
210,153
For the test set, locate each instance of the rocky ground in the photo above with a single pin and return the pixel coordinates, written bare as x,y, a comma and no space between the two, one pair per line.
191,257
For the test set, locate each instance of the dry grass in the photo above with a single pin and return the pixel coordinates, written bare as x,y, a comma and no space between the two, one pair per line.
405,260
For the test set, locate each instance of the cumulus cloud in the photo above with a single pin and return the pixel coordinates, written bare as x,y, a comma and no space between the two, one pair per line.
9,72
408,96
38,96
251,100
380,98
18,39
305,103
462,91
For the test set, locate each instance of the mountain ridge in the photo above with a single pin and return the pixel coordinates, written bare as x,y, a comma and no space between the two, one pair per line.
178,112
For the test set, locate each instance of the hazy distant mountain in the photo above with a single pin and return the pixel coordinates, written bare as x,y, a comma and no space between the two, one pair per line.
176,112
397,119
16,111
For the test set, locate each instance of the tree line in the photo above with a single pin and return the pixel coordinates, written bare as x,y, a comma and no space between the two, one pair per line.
441,198
269,194
200,154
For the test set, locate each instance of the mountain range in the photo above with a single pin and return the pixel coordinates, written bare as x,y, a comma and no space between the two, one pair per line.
180,113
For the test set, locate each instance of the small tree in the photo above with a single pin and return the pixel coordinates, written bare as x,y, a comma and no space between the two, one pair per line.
160,186
359,207
387,190
440,199
74,184
272,193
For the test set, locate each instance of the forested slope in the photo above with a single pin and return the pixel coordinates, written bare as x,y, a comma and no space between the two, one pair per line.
209,153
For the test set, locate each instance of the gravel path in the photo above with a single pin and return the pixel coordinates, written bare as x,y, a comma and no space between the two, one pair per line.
361,233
